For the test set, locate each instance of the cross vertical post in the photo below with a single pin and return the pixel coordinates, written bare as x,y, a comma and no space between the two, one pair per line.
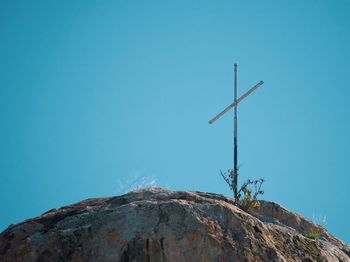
235,149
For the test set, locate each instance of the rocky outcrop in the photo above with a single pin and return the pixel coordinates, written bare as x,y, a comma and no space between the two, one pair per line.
162,225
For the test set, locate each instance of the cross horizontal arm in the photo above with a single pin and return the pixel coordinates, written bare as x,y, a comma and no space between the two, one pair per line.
236,103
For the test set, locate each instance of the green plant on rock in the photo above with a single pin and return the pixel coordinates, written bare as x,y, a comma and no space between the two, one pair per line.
244,197
312,235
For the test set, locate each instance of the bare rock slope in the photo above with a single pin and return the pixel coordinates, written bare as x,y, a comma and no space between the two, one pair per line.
162,225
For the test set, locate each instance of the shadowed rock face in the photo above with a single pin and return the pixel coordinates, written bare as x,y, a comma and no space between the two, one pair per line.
162,225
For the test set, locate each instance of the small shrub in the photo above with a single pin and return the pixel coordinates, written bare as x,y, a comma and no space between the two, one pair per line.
244,197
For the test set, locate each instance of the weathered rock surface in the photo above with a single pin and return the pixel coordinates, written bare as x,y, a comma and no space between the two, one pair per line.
162,225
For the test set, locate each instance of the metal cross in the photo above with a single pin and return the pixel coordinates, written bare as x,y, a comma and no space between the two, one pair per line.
234,105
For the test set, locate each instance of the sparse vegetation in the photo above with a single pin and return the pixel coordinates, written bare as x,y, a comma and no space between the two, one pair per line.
312,235
244,197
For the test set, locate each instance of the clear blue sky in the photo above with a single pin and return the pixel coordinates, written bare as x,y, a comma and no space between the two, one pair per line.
93,93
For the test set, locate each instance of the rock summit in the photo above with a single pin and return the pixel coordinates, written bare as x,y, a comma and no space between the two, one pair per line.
156,224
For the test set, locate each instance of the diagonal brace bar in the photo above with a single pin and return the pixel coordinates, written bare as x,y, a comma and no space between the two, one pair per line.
236,103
